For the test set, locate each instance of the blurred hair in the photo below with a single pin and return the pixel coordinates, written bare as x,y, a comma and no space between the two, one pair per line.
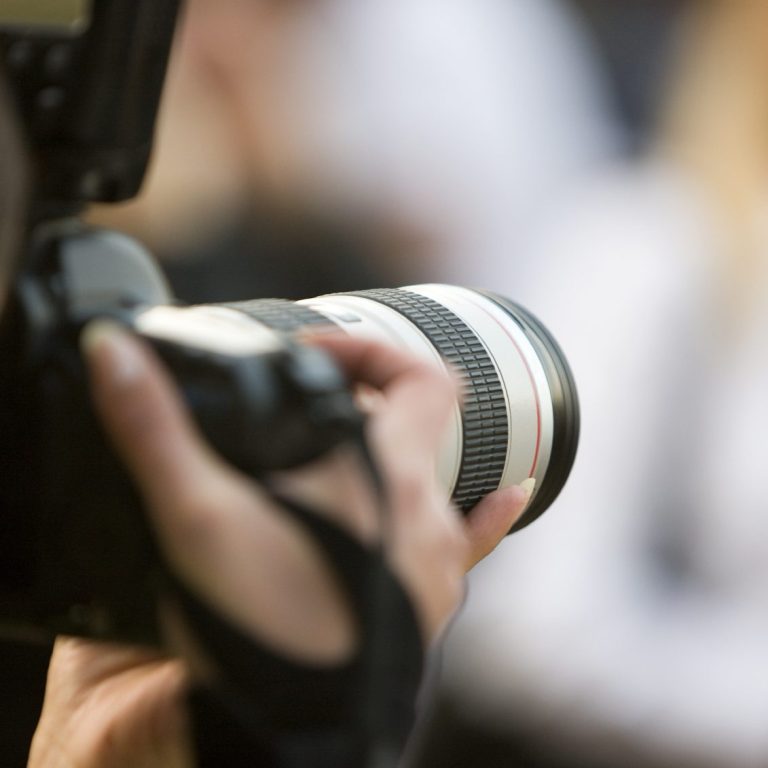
716,123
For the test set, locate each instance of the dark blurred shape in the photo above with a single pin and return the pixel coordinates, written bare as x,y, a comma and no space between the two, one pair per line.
22,684
23,668
13,190
255,254
452,741
636,41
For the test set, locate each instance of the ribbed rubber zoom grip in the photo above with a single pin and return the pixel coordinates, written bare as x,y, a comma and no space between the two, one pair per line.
484,417
280,314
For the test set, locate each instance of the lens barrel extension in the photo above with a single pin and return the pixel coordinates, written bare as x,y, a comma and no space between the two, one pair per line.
520,414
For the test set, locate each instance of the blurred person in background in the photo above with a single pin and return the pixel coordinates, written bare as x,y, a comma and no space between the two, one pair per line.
635,41
635,629
222,207
309,147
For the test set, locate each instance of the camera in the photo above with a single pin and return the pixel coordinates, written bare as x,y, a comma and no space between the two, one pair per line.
76,554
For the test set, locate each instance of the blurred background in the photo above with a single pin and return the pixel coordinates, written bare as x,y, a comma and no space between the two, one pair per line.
604,163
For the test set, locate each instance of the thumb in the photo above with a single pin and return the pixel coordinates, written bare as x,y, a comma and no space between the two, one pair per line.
145,419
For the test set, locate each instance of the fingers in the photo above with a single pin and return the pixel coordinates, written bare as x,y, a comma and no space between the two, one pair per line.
419,396
335,486
490,521
145,419
218,532
190,490
428,549
87,663
110,705
368,361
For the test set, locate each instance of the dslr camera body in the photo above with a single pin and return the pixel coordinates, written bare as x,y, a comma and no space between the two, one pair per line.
76,553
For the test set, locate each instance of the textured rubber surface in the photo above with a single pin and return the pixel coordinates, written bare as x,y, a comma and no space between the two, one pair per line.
484,418
280,314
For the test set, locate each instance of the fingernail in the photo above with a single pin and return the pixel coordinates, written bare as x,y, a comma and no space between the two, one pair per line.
528,486
115,354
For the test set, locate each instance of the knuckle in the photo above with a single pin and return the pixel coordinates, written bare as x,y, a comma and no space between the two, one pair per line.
461,547
412,486
456,546
449,548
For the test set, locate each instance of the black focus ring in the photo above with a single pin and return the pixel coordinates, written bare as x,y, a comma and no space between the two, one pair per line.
280,314
484,417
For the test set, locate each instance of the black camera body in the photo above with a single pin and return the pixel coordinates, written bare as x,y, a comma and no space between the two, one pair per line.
76,553
87,86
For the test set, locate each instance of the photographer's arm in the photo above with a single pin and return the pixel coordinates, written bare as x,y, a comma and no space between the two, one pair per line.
111,706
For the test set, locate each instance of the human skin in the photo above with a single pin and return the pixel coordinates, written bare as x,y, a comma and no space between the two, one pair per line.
116,706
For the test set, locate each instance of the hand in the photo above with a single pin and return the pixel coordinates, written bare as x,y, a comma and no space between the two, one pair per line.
243,555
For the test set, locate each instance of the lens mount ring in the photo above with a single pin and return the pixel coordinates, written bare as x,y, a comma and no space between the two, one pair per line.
485,422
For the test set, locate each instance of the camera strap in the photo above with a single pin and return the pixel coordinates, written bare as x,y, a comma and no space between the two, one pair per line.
268,710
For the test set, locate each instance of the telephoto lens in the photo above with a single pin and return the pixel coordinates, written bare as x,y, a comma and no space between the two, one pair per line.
520,414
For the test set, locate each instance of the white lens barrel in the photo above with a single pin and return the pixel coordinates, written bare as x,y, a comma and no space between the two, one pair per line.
520,414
